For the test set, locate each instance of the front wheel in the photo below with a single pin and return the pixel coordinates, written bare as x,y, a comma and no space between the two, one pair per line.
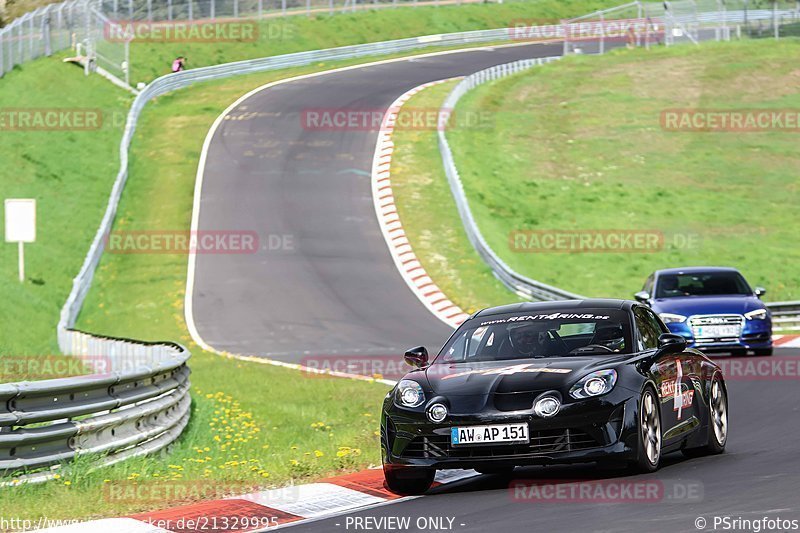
649,453
763,352
408,480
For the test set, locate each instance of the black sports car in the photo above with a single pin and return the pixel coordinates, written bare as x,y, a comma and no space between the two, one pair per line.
553,382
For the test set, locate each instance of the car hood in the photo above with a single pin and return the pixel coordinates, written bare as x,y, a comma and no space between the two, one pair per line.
708,305
518,375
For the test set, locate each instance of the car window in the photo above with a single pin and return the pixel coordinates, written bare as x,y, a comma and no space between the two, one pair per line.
701,284
649,329
537,335
648,285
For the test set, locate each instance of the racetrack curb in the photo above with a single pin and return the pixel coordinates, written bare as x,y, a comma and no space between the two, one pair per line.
407,263
269,509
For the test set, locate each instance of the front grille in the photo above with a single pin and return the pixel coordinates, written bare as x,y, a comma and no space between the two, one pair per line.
542,443
700,327
513,401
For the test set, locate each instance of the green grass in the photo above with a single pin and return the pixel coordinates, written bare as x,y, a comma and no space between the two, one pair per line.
437,236
578,146
301,33
69,173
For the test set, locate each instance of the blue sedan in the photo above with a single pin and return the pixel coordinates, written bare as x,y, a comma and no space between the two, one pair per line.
713,307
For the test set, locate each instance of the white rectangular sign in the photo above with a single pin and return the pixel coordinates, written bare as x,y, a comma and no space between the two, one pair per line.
20,220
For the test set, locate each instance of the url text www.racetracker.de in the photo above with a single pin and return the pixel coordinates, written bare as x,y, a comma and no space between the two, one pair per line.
22,525
738,523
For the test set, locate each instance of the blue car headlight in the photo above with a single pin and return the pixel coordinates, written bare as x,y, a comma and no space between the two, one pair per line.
758,314
670,318
594,384
409,393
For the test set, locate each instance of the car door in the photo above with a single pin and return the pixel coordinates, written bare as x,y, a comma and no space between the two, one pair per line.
664,369
680,381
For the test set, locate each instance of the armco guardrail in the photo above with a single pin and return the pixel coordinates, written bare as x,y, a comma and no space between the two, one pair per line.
786,315
525,287
137,404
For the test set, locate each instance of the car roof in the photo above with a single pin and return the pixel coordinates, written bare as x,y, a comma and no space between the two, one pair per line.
694,270
557,305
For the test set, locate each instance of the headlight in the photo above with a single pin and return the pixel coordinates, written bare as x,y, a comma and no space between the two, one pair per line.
669,318
437,413
547,406
758,314
409,393
594,384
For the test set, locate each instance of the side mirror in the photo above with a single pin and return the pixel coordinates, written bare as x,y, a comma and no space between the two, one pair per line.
669,343
417,357
760,291
642,296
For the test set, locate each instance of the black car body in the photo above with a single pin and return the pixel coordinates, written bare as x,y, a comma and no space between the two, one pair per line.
509,369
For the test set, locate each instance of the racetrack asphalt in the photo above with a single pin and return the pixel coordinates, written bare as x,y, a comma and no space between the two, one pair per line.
330,288
323,281
758,476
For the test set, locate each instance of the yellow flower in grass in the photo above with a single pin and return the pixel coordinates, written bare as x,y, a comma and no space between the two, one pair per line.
318,453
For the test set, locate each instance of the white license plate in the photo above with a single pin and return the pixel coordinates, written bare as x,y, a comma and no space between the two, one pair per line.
717,332
508,433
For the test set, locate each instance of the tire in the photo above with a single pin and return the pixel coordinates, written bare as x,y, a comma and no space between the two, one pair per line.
496,470
763,352
408,481
648,428
717,422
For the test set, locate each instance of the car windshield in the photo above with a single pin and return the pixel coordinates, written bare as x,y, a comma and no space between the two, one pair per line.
531,336
701,284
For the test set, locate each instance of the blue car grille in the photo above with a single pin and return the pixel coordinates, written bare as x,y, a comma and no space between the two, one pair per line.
716,328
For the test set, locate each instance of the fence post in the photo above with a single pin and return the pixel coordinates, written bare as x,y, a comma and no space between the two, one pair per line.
602,33
191,13
169,9
212,9
130,10
149,10
330,7
48,48
308,8
235,8
775,18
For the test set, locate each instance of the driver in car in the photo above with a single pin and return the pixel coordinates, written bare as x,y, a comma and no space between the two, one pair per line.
531,340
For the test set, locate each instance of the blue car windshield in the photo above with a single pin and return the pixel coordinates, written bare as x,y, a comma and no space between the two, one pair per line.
702,284
533,336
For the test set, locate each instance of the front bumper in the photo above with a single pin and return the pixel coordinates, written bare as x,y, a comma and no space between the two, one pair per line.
755,335
583,431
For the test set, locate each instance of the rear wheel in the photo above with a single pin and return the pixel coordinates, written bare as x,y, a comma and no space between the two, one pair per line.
717,422
408,480
649,454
